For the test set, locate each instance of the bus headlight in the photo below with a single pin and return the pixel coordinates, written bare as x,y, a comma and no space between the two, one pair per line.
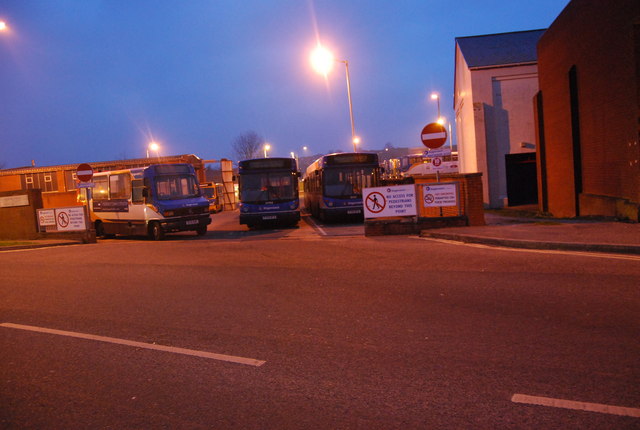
168,213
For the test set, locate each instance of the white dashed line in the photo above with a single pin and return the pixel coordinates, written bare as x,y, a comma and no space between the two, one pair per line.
191,352
580,406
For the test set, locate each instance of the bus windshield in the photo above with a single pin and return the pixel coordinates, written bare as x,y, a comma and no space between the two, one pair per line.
208,192
347,181
263,187
174,187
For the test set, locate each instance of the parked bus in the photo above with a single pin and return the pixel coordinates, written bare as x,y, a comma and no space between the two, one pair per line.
333,184
269,191
151,200
215,194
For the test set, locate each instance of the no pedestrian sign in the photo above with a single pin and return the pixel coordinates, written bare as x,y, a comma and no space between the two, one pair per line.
389,201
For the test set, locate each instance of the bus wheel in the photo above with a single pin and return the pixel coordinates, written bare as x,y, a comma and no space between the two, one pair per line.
100,232
155,231
201,231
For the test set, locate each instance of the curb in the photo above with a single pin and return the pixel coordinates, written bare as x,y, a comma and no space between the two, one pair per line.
532,244
37,245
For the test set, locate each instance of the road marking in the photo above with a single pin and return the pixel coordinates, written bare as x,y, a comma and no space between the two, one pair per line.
581,406
191,352
313,224
538,251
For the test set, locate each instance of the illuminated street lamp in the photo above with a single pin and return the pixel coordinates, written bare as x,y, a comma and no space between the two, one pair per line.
4,26
267,147
436,97
153,146
322,61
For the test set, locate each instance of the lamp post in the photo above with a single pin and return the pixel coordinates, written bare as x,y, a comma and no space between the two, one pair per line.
322,61
4,26
267,147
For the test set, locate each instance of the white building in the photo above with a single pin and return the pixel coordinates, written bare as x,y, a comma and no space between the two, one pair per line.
496,78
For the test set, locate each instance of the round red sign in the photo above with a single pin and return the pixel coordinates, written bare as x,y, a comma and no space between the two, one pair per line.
433,135
84,172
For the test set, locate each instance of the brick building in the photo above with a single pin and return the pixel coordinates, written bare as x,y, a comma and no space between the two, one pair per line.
588,111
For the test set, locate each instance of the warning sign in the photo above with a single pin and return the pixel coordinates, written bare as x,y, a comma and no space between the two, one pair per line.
70,219
397,200
440,195
46,217
375,202
62,219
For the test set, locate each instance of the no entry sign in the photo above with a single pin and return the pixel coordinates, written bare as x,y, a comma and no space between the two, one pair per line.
433,135
84,172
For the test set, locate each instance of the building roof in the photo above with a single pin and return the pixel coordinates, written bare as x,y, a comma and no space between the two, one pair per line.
500,49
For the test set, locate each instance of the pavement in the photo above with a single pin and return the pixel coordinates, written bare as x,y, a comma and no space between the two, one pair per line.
523,229
507,228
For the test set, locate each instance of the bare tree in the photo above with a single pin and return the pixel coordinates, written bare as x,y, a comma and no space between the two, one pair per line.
247,145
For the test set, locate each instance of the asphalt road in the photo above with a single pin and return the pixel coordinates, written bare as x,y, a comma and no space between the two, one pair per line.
316,327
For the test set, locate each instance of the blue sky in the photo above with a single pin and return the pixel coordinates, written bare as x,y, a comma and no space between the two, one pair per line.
96,80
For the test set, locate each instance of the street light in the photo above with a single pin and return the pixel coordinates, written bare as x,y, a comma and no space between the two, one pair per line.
153,146
267,147
436,96
3,26
322,61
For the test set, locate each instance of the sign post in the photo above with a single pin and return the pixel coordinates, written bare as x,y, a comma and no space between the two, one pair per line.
84,173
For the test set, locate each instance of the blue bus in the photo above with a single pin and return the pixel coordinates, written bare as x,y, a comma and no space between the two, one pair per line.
268,190
333,184
151,200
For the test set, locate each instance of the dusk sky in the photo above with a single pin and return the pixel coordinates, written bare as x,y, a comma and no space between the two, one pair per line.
97,80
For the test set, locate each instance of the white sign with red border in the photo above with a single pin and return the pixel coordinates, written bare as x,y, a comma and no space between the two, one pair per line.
439,195
397,200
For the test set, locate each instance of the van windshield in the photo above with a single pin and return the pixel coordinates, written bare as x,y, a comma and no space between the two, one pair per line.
174,187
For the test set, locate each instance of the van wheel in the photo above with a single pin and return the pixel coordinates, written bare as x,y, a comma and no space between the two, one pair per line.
155,231
201,231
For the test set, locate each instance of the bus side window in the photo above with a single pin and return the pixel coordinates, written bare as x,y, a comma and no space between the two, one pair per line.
120,186
136,193
101,188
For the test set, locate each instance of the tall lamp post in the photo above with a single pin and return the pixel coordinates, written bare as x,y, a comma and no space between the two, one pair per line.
267,147
322,61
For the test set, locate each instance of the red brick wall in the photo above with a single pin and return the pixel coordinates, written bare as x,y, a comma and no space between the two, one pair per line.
599,40
19,222
470,196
